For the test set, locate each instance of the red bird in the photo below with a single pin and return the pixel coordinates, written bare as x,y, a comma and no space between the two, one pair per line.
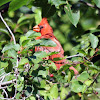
47,33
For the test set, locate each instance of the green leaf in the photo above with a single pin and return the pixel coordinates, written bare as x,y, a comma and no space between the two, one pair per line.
94,67
7,47
94,40
92,52
4,31
82,52
40,54
73,17
3,64
23,18
57,3
31,98
26,42
20,84
38,16
88,82
48,43
16,4
2,70
2,2
31,34
54,91
17,47
76,86
18,95
12,53
43,84
63,93
23,61
9,68
22,38
29,90
11,46
83,76
52,64
97,2
43,93
69,76
43,73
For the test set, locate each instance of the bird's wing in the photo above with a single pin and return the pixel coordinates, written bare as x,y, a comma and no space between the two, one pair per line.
57,48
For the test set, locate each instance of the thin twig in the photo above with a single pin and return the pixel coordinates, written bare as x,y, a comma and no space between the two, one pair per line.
77,55
90,5
5,93
95,78
3,87
16,67
8,28
5,75
8,82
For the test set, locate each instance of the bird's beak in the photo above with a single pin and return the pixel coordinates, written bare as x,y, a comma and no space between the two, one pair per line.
36,28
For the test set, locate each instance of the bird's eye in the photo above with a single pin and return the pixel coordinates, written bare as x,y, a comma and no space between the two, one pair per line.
40,27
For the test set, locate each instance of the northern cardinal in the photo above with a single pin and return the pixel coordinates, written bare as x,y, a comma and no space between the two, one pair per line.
47,33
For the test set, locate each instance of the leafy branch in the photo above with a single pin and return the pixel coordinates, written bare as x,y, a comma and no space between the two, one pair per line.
89,5
16,67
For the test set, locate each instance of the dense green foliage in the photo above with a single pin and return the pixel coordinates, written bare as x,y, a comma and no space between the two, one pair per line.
25,75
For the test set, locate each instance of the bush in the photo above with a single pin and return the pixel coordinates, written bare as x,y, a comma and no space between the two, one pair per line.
24,74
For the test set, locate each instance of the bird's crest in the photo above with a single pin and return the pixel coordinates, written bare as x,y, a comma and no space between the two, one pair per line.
44,20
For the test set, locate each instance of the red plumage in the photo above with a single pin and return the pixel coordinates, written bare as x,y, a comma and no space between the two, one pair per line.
47,33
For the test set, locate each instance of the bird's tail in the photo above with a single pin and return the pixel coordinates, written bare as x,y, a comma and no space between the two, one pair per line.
62,62
58,63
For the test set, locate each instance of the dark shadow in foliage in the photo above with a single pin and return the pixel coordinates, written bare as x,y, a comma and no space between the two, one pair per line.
9,67
47,9
4,8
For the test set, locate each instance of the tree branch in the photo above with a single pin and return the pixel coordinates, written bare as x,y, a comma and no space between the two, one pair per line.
8,28
90,5
16,67
8,82
77,55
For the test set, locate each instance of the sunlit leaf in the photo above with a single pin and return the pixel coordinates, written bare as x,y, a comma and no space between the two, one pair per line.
10,46
88,82
22,38
97,2
43,73
92,52
54,91
32,34
63,93
94,67
43,84
17,47
73,17
29,90
83,76
23,18
94,40
3,64
12,53
40,54
82,52
4,31
31,98
57,3
16,4
23,61
38,17
48,43
76,86
3,2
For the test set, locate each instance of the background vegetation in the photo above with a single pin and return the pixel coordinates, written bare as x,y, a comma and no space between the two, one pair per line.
24,75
